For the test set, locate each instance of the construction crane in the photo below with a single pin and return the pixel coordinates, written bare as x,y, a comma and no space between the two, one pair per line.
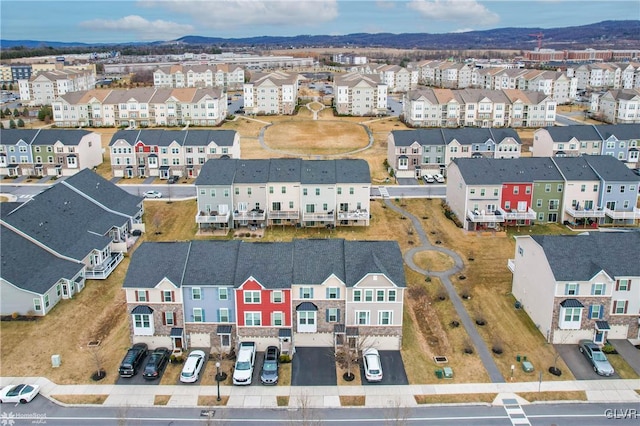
539,37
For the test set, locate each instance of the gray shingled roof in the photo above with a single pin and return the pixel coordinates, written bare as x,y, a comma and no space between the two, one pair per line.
493,171
320,172
580,257
131,136
105,192
251,171
623,132
463,135
152,262
317,260
285,170
211,263
269,263
13,136
30,267
217,172
66,136
352,171
611,169
366,257
575,168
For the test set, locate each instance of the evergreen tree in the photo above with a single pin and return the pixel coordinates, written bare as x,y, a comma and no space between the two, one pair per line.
20,122
7,111
12,124
16,113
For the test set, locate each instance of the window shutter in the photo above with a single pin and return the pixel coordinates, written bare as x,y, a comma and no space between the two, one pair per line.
327,296
164,318
628,285
202,311
146,295
590,311
601,312
311,292
617,285
173,296
626,305
300,292
219,315
136,292
338,292
327,315
338,315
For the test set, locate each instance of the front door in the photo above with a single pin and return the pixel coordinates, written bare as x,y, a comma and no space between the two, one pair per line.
177,342
553,217
65,291
599,337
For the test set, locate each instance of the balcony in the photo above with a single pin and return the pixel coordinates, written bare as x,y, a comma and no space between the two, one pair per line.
481,216
284,214
530,214
361,214
616,214
102,271
584,213
318,217
255,214
212,217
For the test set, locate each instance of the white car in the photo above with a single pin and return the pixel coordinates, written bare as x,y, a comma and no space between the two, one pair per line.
22,393
372,365
439,178
243,372
153,194
192,366
429,178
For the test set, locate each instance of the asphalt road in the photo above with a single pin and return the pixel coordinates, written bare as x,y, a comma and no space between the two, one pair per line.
43,411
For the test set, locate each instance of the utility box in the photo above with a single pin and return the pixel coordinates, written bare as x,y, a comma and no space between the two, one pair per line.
55,361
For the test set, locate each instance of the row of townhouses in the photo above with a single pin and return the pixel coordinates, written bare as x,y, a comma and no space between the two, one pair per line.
226,76
580,191
552,55
169,153
319,293
283,191
360,95
478,108
584,286
415,153
616,106
77,229
46,86
48,152
621,141
141,107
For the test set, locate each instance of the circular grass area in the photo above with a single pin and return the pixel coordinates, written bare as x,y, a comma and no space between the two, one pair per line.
431,260
316,137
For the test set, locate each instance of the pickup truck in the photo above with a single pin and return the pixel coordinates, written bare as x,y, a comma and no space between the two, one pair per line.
243,372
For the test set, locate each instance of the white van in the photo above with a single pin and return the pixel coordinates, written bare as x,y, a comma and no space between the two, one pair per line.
243,371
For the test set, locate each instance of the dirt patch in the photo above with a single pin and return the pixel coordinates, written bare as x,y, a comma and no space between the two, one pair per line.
352,400
554,396
81,399
161,399
316,137
212,400
431,260
455,398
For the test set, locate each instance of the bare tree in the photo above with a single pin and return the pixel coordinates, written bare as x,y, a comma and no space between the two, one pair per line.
396,413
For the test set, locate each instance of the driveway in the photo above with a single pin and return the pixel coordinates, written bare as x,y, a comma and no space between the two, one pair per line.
138,379
314,367
630,353
407,181
578,363
392,370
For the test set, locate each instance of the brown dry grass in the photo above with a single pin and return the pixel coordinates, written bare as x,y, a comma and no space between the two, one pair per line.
316,137
621,367
81,399
161,399
352,400
171,375
212,400
208,376
455,398
282,400
554,396
433,261
355,370
284,375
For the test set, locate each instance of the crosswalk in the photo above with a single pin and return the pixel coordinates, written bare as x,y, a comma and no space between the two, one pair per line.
383,191
515,412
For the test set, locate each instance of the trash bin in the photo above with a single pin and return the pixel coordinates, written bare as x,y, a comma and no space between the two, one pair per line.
524,358
518,358
439,373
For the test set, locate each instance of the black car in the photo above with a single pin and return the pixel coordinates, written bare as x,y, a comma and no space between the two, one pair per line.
173,179
156,363
269,373
133,358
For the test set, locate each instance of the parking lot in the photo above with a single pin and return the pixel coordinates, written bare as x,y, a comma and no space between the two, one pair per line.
393,372
578,363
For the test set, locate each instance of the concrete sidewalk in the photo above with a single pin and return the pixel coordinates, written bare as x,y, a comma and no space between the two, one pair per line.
329,396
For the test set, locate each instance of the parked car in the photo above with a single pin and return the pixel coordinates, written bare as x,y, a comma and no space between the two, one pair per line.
21,393
428,178
156,363
132,360
596,357
152,194
270,366
372,365
192,366
439,178
173,179
243,371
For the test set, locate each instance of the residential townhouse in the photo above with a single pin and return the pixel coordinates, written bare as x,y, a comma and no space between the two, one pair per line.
414,153
575,287
491,193
621,141
75,230
259,193
45,87
141,107
274,93
299,293
48,152
617,106
359,94
227,76
167,153
478,108
483,191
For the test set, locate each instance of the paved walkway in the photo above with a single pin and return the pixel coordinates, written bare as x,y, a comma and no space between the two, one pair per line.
469,325
618,391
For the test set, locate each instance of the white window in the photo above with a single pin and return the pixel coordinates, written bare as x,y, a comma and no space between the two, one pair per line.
169,318
223,293
379,295
196,293
307,321
141,296
251,296
571,288
598,289
223,315
277,318
333,293
37,304
306,292
595,312
368,295
143,324
620,306
333,315
276,296
252,319
198,315
623,285
391,296
357,295
570,318
167,296
385,317
363,317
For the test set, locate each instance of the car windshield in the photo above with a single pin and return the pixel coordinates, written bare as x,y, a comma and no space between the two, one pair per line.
270,366
15,391
187,374
243,366
599,356
374,371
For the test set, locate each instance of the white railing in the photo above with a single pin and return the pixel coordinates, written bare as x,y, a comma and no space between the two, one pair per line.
616,214
284,214
585,212
476,216
249,215
354,215
322,217
102,271
212,218
530,214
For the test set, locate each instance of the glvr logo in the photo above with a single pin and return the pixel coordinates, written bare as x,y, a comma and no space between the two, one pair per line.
621,413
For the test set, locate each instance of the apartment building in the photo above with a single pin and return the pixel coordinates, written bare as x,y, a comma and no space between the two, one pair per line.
227,76
274,93
360,94
44,87
618,106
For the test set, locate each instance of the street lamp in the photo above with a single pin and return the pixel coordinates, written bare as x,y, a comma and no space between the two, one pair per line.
218,378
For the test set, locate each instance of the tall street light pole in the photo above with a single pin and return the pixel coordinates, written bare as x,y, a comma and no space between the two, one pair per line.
218,378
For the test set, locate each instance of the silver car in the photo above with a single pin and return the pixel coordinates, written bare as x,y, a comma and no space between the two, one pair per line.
596,357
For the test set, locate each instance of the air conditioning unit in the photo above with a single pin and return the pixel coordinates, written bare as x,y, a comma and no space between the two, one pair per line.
55,361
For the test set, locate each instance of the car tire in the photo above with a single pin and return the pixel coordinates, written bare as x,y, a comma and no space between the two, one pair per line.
581,350
595,370
23,401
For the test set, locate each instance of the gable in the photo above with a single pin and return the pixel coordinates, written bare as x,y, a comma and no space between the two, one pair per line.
251,284
375,281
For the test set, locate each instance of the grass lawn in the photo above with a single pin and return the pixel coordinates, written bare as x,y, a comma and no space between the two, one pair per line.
81,399
352,400
161,399
316,137
212,400
621,367
554,396
282,400
455,398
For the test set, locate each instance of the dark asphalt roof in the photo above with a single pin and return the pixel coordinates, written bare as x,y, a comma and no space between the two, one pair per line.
152,262
30,267
575,168
306,306
13,136
464,135
567,133
67,137
201,270
571,303
317,260
622,132
580,257
161,137
268,263
367,257
142,310
229,171
494,171
611,169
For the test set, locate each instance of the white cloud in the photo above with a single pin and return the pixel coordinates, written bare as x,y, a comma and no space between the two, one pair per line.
461,11
140,27
230,14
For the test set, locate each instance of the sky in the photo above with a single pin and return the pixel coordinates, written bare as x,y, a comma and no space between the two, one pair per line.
115,21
